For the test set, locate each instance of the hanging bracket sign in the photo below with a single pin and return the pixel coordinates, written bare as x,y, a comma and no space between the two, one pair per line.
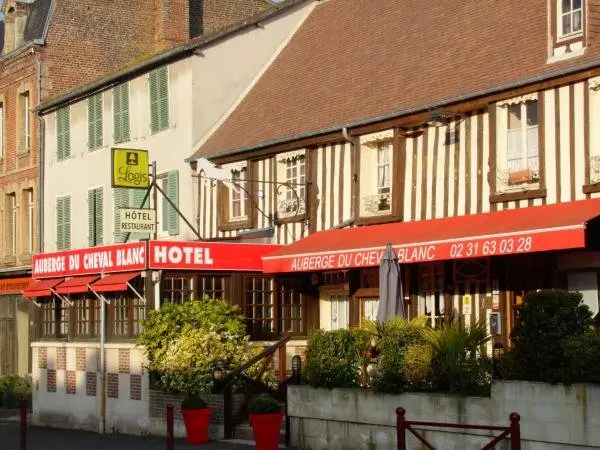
129,168
137,220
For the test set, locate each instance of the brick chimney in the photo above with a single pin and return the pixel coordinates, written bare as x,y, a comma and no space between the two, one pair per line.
208,16
171,19
15,18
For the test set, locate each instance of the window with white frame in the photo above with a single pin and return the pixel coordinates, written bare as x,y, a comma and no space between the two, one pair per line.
11,244
238,196
594,118
518,143
570,17
291,171
24,122
376,162
340,312
30,221
1,130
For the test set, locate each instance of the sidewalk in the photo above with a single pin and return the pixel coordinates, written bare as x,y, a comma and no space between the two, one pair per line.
55,439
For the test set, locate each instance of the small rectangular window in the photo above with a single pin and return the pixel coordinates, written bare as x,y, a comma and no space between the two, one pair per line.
24,122
30,221
95,121
11,224
340,312
63,133
159,99
570,17
1,130
260,306
522,142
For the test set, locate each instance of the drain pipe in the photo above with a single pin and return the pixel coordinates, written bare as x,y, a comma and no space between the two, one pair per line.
41,160
350,221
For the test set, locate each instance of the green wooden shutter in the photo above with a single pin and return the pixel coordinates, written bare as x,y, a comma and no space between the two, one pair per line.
95,121
173,193
121,112
159,99
63,223
121,200
63,134
163,93
96,195
136,197
60,244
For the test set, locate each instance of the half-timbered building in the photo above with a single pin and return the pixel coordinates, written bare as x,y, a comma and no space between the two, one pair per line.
466,134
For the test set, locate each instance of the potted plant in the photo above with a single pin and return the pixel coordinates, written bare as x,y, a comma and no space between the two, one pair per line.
265,417
196,417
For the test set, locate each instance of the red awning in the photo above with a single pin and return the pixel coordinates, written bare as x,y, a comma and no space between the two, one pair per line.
42,288
525,230
114,282
76,285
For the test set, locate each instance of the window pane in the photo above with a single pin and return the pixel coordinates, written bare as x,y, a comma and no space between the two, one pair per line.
566,6
514,116
532,113
514,145
566,24
577,21
576,4
532,141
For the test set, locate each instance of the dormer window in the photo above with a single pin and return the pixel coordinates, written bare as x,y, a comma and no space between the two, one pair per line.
570,17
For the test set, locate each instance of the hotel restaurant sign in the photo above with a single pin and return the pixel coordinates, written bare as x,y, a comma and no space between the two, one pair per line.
157,255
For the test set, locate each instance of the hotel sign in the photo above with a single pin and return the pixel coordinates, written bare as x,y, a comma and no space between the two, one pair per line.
87,261
208,255
129,168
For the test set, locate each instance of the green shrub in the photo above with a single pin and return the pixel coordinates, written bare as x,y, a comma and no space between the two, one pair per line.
12,389
449,359
582,358
391,342
264,404
193,401
549,320
334,358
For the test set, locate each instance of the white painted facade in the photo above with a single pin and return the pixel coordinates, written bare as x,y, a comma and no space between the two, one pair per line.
202,89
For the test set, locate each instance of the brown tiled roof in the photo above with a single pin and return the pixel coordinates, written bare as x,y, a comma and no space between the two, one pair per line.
353,60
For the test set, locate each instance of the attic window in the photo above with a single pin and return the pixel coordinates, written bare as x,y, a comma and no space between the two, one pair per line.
570,17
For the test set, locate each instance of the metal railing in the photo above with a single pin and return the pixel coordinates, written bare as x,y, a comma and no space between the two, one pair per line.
513,431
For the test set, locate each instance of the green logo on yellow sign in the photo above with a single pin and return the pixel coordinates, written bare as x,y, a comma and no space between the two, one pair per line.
130,168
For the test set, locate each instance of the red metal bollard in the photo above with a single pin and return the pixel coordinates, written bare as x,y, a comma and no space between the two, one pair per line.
170,437
515,431
401,427
24,423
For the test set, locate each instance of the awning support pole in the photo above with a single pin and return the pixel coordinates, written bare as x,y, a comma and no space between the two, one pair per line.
62,298
143,299
102,396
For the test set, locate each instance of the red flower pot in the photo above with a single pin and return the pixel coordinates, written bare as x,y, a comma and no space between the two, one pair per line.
196,424
266,428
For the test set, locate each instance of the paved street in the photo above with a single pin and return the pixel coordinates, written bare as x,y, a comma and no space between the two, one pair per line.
53,439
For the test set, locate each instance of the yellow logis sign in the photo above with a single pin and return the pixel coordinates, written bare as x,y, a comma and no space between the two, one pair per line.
130,168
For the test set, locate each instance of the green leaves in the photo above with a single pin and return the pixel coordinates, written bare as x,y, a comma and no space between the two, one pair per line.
549,320
187,343
334,358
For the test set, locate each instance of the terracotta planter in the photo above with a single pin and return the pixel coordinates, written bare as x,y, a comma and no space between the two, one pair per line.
266,428
197,423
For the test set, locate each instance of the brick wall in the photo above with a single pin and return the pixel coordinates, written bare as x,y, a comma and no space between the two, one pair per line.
217,14
159,401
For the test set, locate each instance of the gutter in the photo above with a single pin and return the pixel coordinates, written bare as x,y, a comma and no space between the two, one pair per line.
407,111
171,55
41,161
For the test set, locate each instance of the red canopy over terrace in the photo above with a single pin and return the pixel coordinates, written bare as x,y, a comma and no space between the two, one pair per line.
525,230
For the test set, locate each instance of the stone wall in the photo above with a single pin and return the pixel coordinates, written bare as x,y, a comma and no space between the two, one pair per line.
552,417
